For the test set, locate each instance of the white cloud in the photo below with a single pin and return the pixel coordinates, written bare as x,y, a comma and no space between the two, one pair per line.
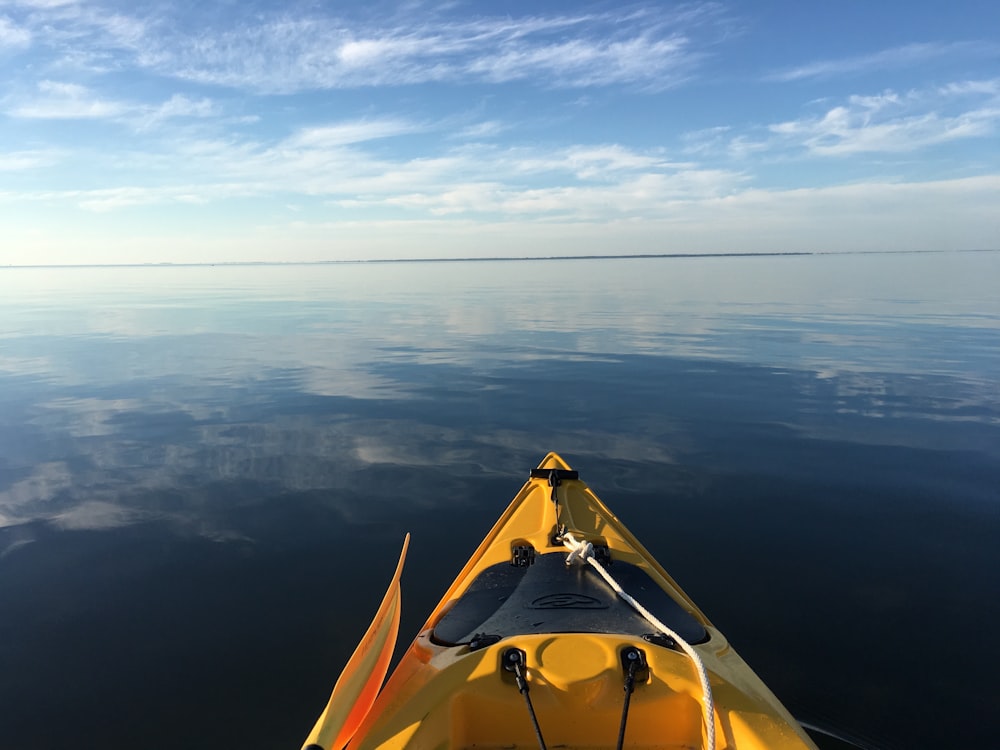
582,182
595,161
43,4
651,49
585,162
332,162
182,106
123,31
885,123
481,130
706,140
101,200
12,36
13,161
66,101
59,100
895,57
888,122
177,106
114,198
350,132
608,179
372,53
743,147
111,199
644,59
986,87
335,162
876,215
645,195
70,38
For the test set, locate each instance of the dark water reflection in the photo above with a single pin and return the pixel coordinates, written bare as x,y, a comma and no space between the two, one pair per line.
205,474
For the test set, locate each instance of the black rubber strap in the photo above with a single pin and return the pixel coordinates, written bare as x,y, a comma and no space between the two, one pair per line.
629,686
513,661
635,668
554,474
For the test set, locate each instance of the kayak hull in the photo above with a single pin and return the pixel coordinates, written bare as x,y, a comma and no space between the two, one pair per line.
451,689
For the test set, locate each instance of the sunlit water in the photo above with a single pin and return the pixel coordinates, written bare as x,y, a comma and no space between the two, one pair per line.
206,472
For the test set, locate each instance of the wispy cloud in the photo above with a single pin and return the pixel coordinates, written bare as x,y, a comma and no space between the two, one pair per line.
273,52
889,123
643,58
608,179
72,38
843,130
57,100
355,131
12,36
989,88
724,140
102,200
869,215
482,130
13,161
894,57
338,163
633,196
42,3
177,106
111,199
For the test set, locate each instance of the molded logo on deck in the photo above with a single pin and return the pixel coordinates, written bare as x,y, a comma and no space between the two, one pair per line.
567,601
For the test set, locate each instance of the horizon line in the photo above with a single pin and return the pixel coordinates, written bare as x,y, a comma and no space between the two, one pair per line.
504,258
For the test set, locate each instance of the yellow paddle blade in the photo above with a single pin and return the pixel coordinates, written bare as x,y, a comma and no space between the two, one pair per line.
359,683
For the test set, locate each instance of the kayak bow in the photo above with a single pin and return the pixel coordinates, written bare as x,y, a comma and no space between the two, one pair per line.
596,648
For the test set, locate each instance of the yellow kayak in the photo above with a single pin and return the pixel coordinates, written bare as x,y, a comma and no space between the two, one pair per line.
562,631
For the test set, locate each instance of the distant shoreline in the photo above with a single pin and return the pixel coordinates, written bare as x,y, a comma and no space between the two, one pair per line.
501,258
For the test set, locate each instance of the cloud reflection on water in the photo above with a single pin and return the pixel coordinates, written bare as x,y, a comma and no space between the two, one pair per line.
187,455
133,390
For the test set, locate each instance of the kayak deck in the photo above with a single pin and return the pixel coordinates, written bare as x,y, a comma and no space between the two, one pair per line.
547,597
453,688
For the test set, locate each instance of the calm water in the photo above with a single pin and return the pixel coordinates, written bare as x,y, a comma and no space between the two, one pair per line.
206,473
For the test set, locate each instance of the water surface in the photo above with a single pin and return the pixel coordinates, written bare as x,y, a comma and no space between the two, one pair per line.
206,472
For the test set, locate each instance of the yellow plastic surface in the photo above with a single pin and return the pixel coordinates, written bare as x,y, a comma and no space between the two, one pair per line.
451,697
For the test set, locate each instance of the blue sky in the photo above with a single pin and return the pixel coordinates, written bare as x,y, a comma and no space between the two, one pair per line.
295,131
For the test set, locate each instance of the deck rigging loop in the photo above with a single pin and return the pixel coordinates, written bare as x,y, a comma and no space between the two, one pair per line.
580,550
513,661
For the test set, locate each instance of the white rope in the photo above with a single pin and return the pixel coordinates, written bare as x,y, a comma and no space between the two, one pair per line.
583,550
